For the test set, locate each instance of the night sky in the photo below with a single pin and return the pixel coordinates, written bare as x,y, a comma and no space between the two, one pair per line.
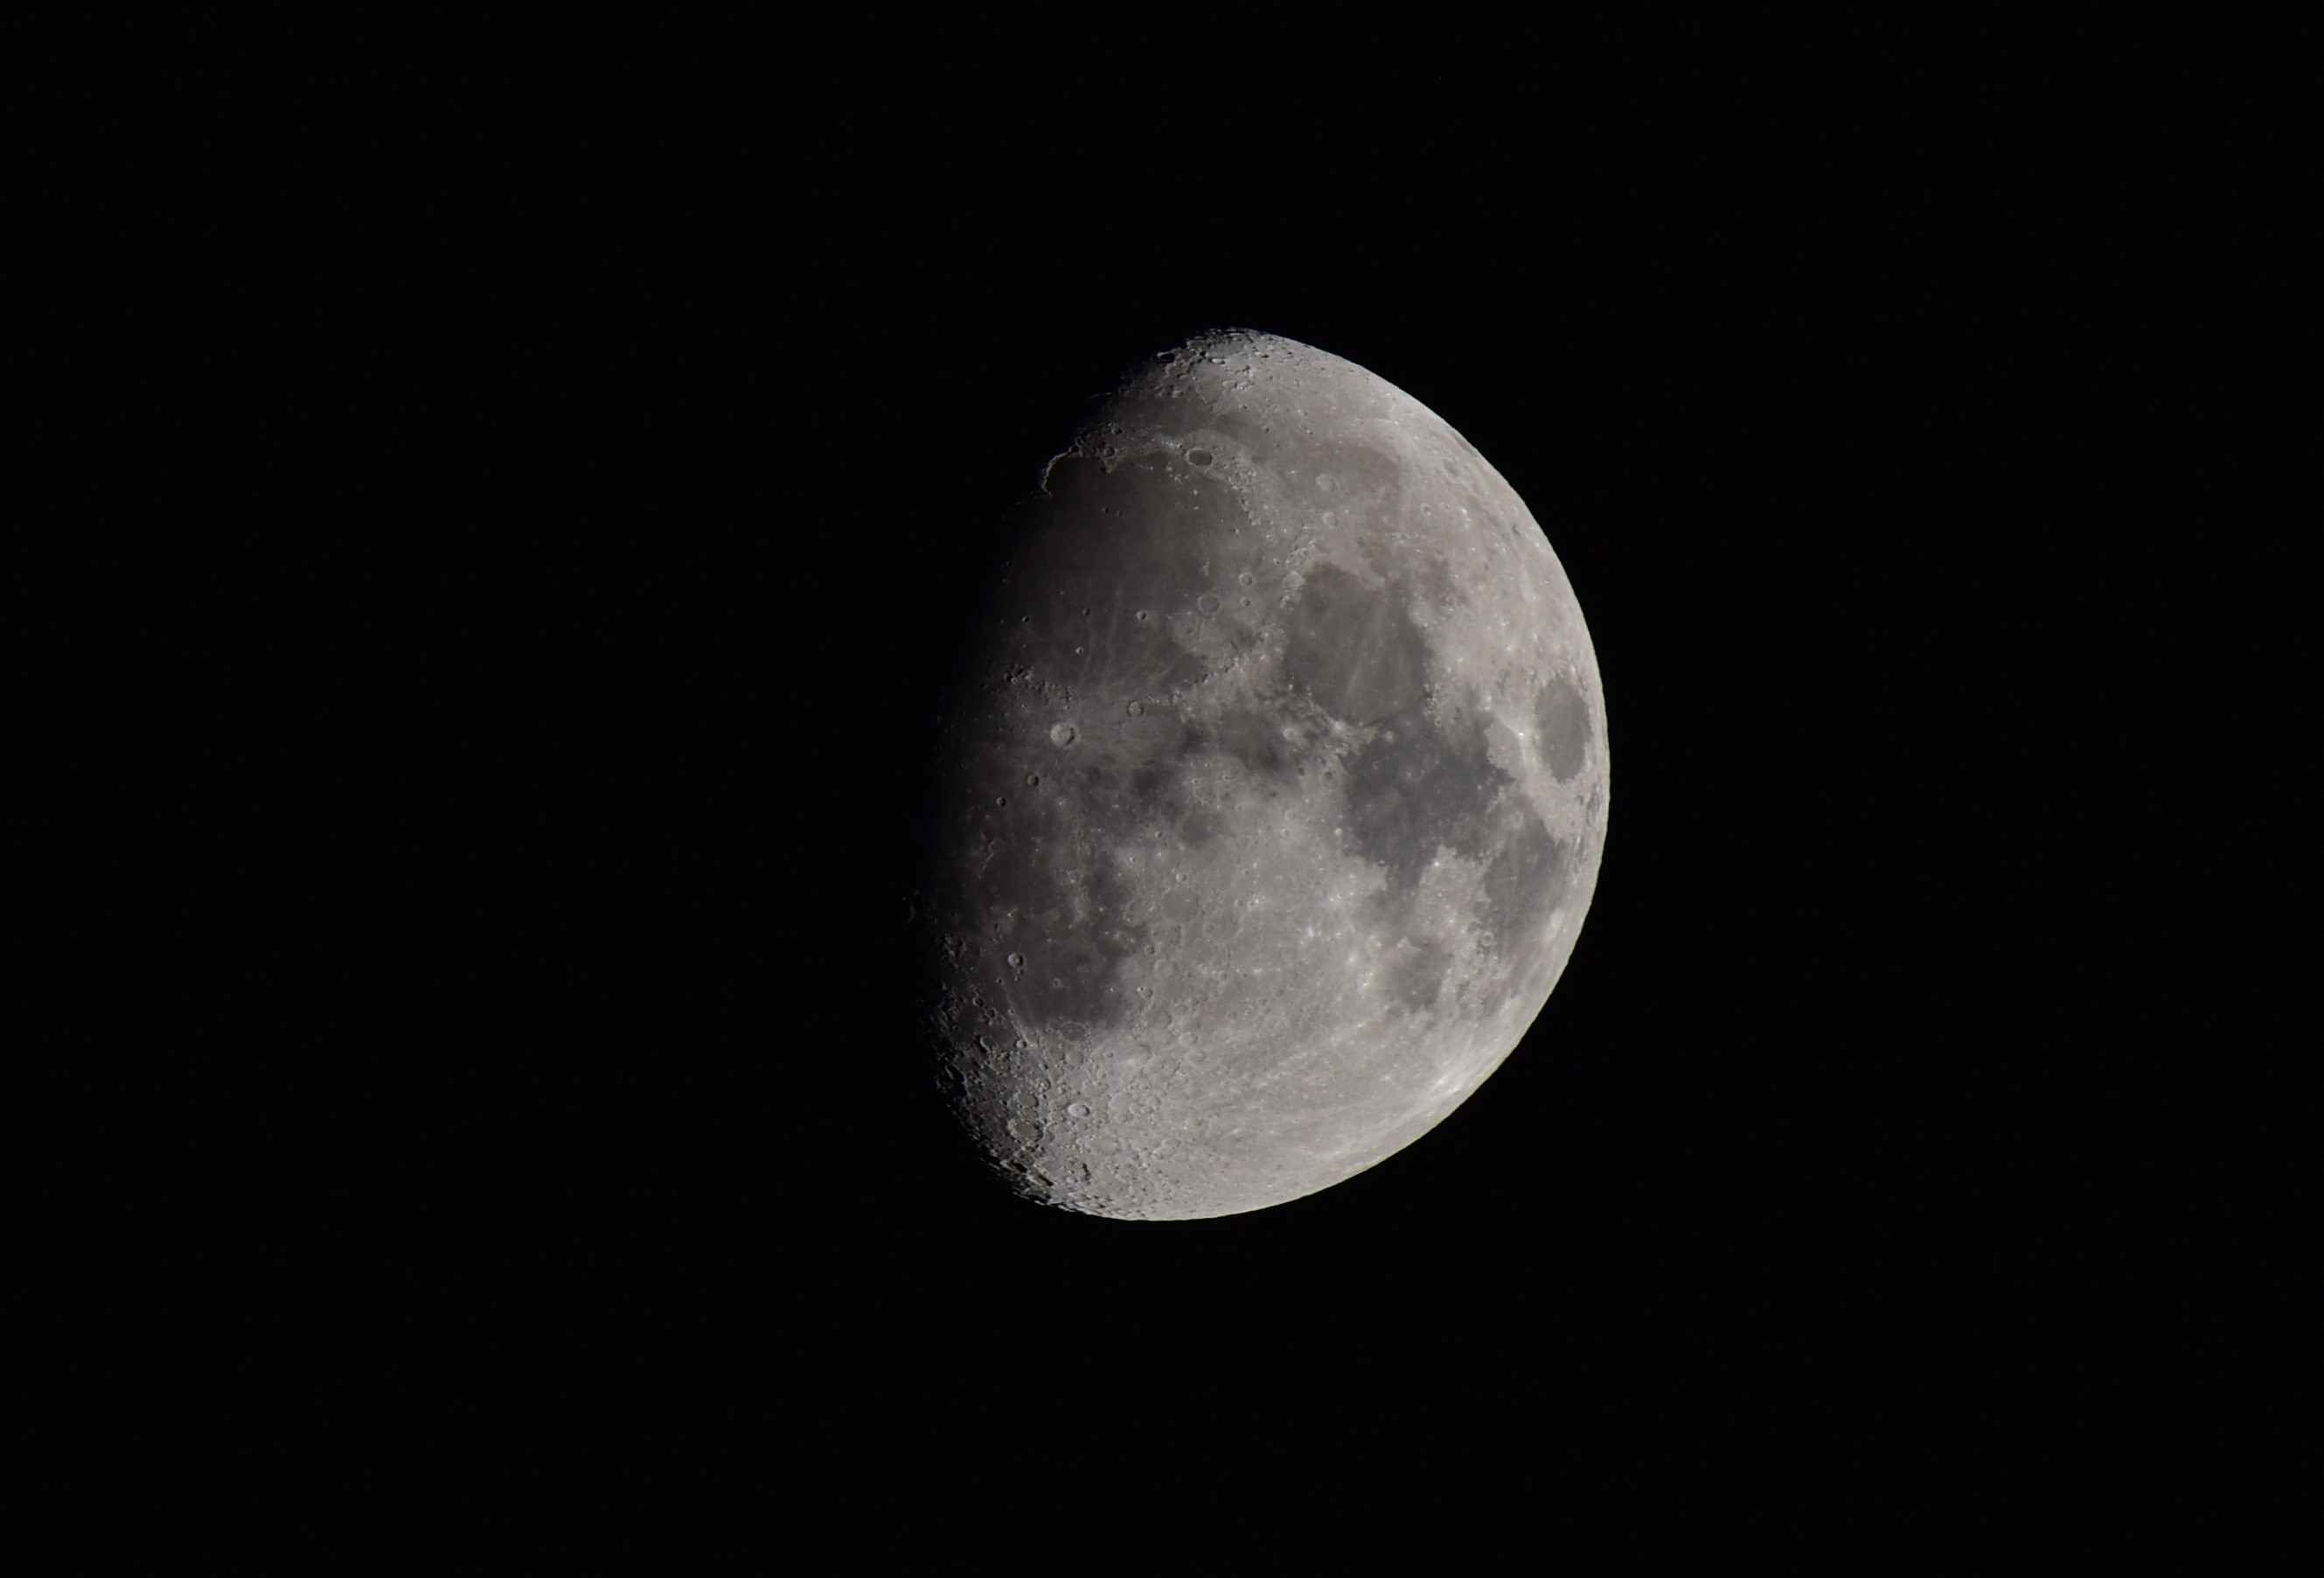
536,483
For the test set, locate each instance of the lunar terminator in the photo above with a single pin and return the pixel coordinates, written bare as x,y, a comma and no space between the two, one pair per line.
1272,800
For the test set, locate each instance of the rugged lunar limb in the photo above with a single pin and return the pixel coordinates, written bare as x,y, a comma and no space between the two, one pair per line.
1273,802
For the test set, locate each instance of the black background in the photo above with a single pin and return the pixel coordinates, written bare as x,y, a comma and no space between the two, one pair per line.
538,475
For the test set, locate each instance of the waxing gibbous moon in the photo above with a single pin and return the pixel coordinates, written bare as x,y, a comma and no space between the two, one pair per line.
1270,799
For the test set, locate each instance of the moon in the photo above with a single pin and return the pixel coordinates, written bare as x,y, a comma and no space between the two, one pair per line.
1270,799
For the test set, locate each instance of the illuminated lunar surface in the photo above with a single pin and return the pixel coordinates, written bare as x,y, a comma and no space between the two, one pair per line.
1271,799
